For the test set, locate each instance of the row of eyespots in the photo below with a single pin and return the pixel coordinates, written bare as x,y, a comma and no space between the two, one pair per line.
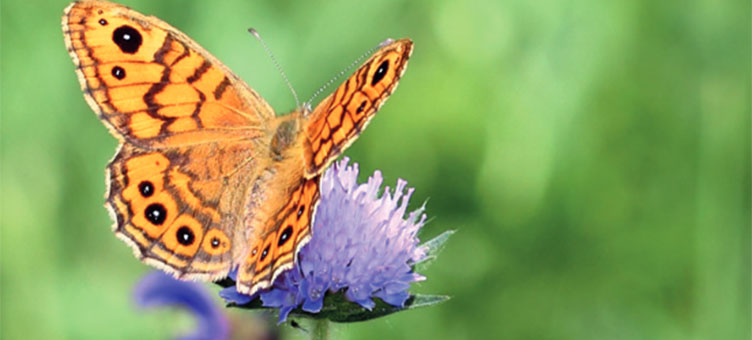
157,215
305,193
284,236
287,233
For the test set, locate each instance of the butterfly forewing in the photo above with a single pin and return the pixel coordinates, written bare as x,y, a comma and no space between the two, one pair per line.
340,118
152,85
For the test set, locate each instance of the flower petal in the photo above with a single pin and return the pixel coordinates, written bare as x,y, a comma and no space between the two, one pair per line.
159,289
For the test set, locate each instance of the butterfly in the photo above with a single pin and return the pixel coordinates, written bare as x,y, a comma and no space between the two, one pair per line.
207,178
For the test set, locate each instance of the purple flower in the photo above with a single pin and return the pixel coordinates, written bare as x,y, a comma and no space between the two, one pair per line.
160,289
361,243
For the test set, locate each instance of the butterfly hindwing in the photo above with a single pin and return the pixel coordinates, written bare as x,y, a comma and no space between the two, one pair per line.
180,215
275,250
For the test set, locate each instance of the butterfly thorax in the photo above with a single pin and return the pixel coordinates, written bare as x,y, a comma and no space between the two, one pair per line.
285,136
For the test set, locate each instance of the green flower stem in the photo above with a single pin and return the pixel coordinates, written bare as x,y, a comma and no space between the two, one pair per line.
320,329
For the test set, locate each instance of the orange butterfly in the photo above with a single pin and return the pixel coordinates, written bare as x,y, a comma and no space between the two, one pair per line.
207,178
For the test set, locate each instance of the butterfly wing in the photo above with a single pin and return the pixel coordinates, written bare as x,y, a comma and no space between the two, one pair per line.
286,230
326,132
175,213
152,85
340,118
190,133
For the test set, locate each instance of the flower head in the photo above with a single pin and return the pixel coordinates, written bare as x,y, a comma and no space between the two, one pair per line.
159,289
361,243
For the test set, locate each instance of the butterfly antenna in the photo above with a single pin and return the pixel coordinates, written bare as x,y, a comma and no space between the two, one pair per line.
343,72
276,64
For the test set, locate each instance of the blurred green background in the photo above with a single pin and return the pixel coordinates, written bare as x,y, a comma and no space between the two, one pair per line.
593,156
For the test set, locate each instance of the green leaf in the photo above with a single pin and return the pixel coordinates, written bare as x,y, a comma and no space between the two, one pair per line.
433,247
338,309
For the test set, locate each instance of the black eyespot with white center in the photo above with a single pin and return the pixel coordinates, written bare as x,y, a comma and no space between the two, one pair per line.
118,72
361,107
146,188
155,213
285,236
264,253
103,22
380,72
127,39
214,243
185,236
301,210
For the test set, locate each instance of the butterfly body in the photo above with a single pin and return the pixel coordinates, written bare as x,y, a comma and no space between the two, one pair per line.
207,178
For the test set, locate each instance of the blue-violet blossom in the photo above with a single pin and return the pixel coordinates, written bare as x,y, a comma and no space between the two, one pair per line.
361,242
160,289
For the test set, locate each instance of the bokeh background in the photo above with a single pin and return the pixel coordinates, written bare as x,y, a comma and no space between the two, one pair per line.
594,157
